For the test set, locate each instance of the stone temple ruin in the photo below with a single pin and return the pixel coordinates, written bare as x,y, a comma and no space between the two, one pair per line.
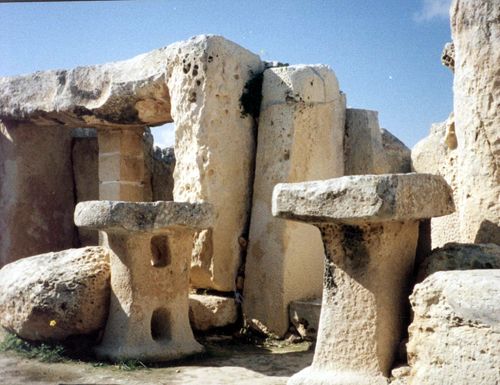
276,202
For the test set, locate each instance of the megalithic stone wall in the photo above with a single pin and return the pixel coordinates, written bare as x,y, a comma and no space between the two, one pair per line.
214,149
34,163
475,27
301,129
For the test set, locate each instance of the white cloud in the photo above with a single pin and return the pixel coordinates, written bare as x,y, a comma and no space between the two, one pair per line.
164,136
433,9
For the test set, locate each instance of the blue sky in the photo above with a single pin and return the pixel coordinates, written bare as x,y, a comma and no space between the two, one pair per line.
386,54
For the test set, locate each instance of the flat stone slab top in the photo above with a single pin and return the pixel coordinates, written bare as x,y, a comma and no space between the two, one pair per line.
364,198
142,216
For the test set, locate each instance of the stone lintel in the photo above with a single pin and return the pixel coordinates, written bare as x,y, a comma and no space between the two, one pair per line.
364,198
118,216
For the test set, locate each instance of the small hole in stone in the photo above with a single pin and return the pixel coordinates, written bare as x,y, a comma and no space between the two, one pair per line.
160,252
160,325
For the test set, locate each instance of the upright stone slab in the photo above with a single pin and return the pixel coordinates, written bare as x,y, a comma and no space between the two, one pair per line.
437,154
475,27
36,190
151,246
369,226
364,151
300,138
214,149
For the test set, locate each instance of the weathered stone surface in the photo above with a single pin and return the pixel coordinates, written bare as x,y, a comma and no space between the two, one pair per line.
448,56
369,226
455,334
210,311
397,155
56,295
84,157
36,191
284,259
437,154
142,216
470,153
460,256
162,174
120,94
475,30
151,244
363,148
304,315
364,198
214,148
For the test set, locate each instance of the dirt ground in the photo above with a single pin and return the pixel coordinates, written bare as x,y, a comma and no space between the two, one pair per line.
226,362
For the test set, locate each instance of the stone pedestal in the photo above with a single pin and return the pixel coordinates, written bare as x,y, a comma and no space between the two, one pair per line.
151,246
369,226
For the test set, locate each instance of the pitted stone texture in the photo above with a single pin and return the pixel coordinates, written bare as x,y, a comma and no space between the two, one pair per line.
448,56
214,148
55,295
475,27
151,244
437,154
364,152
284,259
364,198
210,311
141,216
455,334
36,191
397,155
460,256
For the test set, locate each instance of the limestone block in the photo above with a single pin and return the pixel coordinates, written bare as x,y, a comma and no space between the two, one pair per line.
460,256
397,155
455,334
369,227
364,152
210,311
151,243
84,157
475,28
364,198
36,191
304,315
162,174
121,164
55,295
300,138
214,148
437,154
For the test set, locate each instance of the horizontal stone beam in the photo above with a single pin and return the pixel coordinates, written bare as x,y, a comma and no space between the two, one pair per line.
364,198
124,94
142,216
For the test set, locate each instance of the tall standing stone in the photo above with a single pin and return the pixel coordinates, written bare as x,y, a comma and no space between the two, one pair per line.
475,27
214,149
300,138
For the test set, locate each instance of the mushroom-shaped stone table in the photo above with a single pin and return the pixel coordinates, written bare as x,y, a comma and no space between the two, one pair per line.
369,227
151,246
